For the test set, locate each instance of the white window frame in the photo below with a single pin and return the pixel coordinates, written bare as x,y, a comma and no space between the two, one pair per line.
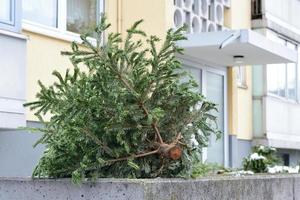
12,25
10,22
59,32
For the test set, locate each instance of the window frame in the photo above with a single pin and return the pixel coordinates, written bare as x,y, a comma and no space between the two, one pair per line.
10,22
14,23
60,32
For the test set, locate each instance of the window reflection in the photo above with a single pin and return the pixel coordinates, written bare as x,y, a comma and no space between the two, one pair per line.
81,15
291,82
281,79
272,78
42,12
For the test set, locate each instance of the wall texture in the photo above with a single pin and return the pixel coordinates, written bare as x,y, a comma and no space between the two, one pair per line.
269,187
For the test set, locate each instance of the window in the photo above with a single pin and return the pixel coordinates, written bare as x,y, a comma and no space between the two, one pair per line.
7,14
81,15
256,9
241,77
291,76
298,75
42,12
5,11
282,78
272,78
10,15
286,159
77,16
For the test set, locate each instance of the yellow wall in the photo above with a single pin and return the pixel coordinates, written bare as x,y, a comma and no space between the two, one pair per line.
155,13
244,103
43,57
240,99
239,14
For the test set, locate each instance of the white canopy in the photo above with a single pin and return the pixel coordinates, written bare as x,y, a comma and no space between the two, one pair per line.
221,47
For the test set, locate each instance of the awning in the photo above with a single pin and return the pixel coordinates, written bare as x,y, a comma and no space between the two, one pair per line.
246,46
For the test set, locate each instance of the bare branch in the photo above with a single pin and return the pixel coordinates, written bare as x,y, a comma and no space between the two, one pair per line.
134,156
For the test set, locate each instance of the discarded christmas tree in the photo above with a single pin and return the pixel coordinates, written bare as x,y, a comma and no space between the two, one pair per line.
124,111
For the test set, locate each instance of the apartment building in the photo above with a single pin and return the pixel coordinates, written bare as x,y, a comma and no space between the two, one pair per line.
276,88
221,53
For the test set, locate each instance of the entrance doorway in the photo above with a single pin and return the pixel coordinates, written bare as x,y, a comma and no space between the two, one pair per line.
212,84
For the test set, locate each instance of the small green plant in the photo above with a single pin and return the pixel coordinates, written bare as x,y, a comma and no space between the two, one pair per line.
261,158
204,169
123,112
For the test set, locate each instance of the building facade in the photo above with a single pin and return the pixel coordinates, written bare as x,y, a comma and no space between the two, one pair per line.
276,89
219,39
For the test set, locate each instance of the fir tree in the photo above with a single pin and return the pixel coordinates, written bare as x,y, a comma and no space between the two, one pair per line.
123,111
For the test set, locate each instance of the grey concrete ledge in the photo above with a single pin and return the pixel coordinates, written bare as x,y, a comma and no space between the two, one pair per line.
256,187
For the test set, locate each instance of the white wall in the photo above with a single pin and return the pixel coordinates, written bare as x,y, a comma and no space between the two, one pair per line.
12,81
282,122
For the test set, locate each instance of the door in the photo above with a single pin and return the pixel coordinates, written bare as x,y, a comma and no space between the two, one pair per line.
212,84
215,93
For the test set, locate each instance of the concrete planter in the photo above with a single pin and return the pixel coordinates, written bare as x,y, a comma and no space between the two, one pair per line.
281,187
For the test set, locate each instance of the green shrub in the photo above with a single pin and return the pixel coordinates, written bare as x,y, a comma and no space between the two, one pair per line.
123,111
261,158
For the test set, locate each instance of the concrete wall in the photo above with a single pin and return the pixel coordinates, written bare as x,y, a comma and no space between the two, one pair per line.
269,187
17,155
